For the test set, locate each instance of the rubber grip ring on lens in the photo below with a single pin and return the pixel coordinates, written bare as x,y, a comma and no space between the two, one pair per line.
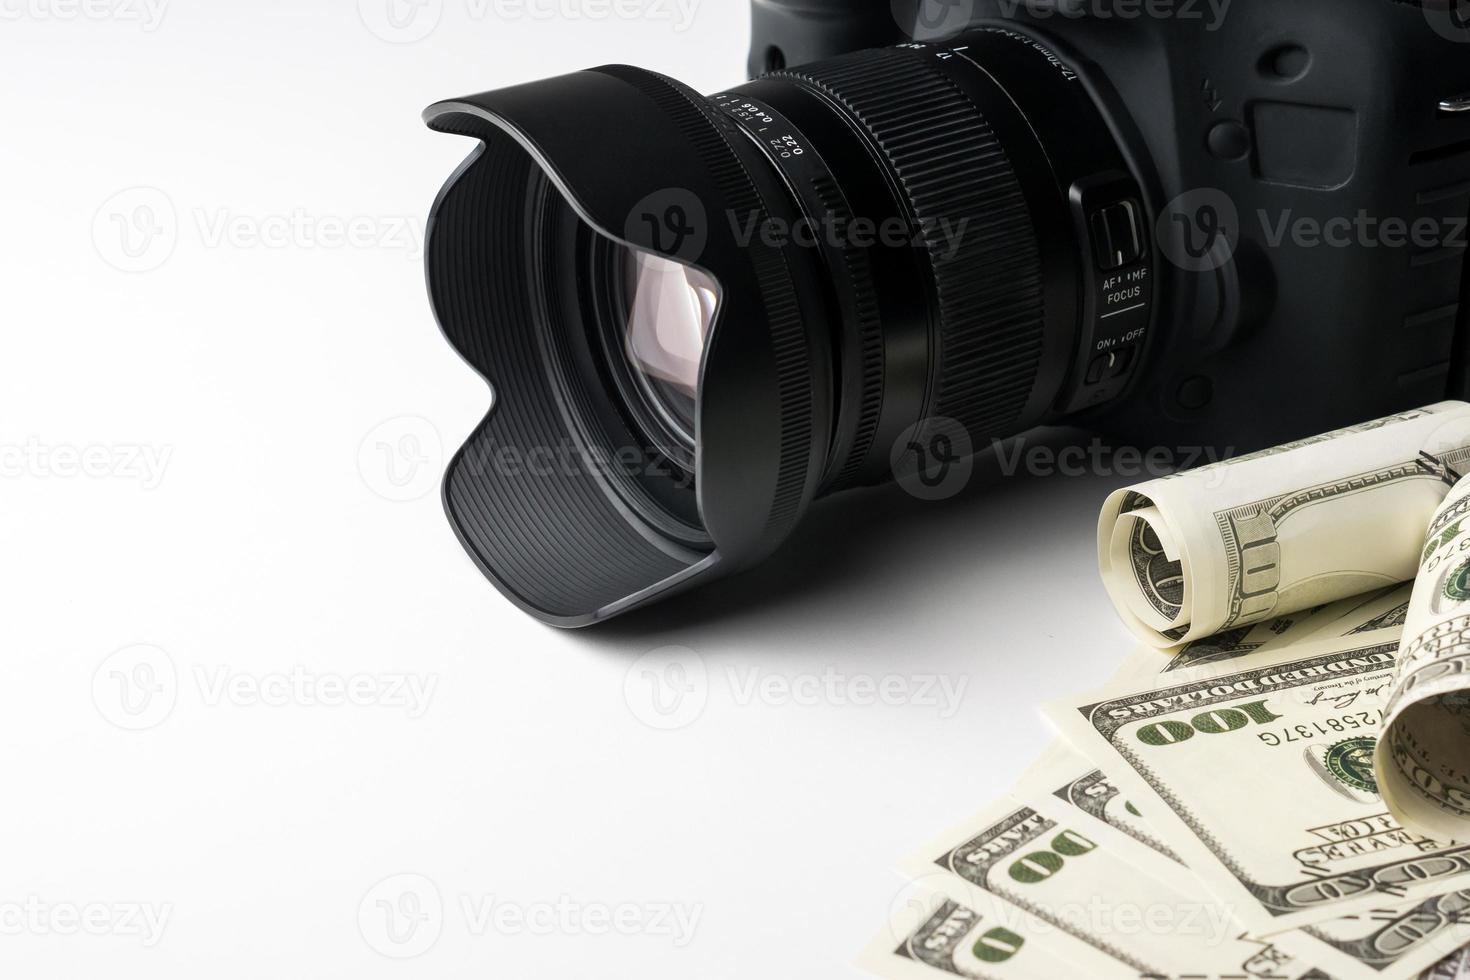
958,181
867,331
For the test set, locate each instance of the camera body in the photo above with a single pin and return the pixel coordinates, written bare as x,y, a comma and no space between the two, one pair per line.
1305,173
1191,224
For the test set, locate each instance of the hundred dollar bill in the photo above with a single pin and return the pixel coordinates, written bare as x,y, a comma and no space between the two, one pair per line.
1261,536
1236,643
1259,776
1232,645
1318,620
1367,613
1387,941
1037,856
1067,775
1423,758
1393,943
1373,612
1229,645
1386,610
1456,967
948,937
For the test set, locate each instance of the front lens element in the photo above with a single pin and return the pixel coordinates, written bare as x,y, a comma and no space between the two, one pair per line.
670,308
653,425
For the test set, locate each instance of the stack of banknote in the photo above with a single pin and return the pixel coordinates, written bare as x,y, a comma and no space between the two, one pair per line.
1273,785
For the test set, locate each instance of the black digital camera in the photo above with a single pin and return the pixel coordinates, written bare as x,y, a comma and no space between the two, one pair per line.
923,227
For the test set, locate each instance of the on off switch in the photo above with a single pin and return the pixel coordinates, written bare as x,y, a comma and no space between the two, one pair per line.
1109,365
1116,235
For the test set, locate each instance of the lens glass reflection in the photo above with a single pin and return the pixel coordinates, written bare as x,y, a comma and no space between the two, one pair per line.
670,308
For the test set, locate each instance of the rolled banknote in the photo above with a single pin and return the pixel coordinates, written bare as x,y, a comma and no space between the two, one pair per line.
1423,756
1279,531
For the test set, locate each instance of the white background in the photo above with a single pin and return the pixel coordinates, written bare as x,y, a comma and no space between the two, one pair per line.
221,446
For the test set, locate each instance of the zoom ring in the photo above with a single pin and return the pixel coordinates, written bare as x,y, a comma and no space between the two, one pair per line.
974,221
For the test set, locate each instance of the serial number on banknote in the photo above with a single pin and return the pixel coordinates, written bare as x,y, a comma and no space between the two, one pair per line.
1339,725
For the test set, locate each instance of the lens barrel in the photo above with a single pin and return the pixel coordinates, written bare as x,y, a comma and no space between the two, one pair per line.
881,260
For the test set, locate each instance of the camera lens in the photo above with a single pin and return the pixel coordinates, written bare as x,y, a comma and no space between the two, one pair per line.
721,308
655,338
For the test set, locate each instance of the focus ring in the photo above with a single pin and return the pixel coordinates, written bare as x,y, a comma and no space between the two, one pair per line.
974,222
867,332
